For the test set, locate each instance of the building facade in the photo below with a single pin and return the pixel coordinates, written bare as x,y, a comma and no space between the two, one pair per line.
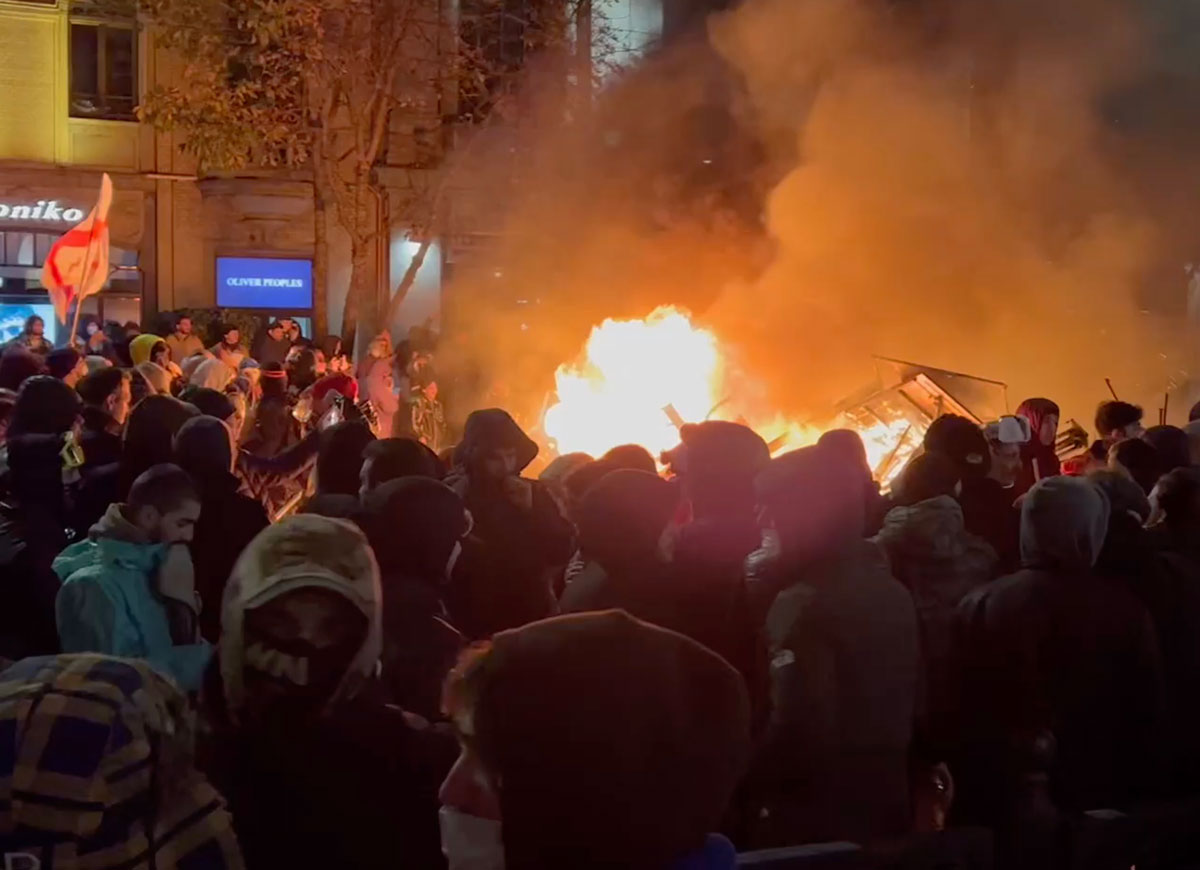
69,87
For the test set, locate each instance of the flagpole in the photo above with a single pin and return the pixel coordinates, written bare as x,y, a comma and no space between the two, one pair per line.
87,260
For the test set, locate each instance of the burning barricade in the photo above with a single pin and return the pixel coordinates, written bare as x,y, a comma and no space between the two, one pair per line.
638,381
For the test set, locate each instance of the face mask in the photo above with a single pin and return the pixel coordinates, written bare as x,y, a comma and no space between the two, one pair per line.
306,677
469,842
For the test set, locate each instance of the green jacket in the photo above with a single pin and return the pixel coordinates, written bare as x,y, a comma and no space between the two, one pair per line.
107,602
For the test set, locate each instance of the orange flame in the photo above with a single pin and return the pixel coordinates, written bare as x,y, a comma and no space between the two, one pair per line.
635,380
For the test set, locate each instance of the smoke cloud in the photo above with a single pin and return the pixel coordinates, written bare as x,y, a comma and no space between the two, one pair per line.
998,189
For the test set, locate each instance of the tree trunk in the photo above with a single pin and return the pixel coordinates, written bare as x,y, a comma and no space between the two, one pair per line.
360,286
320,262
361,304
406,282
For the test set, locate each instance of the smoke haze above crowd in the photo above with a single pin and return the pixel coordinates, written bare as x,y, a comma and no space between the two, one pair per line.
1004,190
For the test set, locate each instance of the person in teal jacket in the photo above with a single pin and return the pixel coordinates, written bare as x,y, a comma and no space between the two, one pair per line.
127,590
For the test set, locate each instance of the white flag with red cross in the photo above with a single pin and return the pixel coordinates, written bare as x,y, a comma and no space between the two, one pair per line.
77,265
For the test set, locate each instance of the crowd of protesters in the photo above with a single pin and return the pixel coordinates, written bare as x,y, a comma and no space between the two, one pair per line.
249,617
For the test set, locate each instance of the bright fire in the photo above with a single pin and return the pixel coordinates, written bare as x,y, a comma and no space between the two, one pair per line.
636,380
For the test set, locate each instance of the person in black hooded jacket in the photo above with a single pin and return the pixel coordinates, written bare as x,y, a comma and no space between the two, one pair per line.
716,466
318,769
988,509
845,663
415,525
1176,614
228,520
1059,647
521,540
35,500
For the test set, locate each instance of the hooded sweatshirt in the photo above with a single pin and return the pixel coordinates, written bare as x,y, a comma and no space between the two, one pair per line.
504,577
140,347
228,520
214,374
1038,460
34,516
938,561
621,521
718,462
618,743
415,525
843,637
114,598
99,747
156,376
1057,648
352,787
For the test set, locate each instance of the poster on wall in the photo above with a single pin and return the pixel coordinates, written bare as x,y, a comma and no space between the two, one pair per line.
263,282
14,314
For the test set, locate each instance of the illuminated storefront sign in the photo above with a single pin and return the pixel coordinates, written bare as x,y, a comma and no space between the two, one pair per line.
48,211
261,282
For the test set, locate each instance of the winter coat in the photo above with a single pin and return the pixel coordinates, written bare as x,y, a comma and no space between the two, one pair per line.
1170,588
504,576
183,346
27,591
35,514
268,350
844,673
619,743
354,786
1057,648
100,447
989,513
420,647
414,525
939,562
109,601
1038,461
354,789
710,602
228,522
102,749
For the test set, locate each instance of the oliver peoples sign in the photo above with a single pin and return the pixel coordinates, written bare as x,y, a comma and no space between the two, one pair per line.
49,211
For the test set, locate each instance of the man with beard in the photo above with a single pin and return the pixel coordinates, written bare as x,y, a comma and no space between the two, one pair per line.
182,342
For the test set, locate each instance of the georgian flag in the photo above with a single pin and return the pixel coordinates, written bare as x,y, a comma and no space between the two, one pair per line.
77,265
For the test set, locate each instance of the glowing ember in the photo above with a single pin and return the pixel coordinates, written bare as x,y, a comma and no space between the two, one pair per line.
637,379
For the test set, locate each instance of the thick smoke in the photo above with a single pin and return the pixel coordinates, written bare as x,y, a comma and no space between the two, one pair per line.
960,197
995,188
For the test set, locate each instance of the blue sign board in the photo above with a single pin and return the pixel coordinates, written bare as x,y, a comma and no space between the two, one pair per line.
261,282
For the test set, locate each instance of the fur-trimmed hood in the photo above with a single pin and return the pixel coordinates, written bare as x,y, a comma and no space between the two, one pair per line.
301,551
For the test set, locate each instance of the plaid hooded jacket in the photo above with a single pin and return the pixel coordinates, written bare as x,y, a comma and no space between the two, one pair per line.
96,771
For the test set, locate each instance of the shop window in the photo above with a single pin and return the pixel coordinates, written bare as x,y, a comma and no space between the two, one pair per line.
103,71
31,249
122,257
497,35
19,249
42,242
